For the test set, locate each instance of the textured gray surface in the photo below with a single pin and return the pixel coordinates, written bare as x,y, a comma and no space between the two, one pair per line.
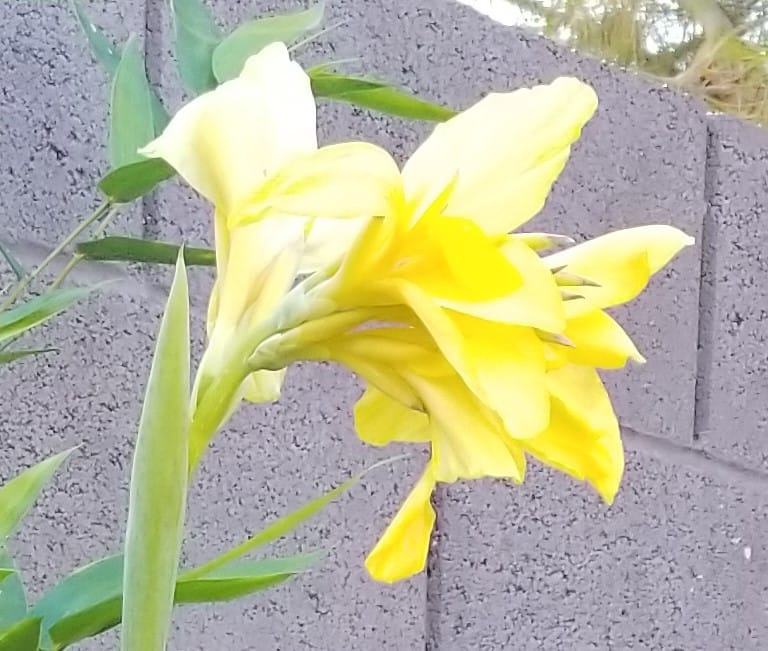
733,421
679,561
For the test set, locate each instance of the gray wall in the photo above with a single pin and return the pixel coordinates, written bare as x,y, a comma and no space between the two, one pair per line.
679,561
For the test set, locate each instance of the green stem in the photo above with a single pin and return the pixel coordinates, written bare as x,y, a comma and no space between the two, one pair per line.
78,257
25,282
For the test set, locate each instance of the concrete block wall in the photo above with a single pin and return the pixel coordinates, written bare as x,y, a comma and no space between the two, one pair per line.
678,562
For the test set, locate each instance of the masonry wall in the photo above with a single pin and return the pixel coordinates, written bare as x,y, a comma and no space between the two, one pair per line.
678,562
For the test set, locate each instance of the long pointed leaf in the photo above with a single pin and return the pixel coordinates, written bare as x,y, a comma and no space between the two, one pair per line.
19,494
159,482
131,121
130,249
8,356
13,263
37,310
13,600
22,636
108,55
196,38
375,95
88,601
251,37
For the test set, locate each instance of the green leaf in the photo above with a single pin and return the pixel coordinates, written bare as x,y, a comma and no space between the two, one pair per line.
131,249
283,525
23,636
19,494
13,263
230,55
159,482
109,55
13,601
103,49
8,356
131,121
38,309
196,38
375,95
5,572
88,601
241,578
129,182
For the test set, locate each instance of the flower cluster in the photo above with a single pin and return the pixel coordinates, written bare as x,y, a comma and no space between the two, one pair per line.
471,338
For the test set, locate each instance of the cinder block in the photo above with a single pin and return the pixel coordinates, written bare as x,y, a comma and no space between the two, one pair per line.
678,562
733,379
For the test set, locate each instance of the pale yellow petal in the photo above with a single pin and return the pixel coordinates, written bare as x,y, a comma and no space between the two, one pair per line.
402,550
583,438
328,240
621,263
380,420
599,341
507,150
264,386
348,180
224,142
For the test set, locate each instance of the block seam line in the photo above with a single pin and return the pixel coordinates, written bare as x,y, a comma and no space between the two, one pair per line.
707,294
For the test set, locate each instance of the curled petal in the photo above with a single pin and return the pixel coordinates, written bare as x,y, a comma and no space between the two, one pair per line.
597,340
583,437
621,263
402,550
506,152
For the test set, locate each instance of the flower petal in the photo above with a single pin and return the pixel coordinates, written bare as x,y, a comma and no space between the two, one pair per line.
599,341
224,142
507,150
348,180
470,441
402,549
583,438
380,420
621,263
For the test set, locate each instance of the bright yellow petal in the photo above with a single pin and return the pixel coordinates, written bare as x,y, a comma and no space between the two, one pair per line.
224,142
509,368
507,150
621,263
348,180
470,441
583,438
402,549
536,302
380,420
599,341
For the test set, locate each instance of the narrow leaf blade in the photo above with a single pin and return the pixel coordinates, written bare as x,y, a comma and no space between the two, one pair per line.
377,96
38,309
103,49
196,38
251,37
13,263
8,356
131,118
159,482
13,600
130,249
22,636
129,182
108,55
19,494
